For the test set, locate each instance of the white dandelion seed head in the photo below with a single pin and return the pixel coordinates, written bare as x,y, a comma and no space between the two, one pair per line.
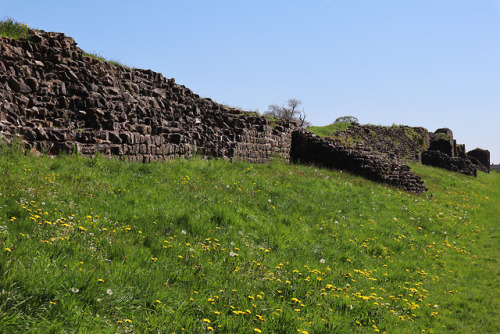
322,261
183,232
75,290
109,292
233,253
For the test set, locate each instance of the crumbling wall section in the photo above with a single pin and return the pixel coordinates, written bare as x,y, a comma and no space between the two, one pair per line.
309,148
481,158
58,99
403,143
61,100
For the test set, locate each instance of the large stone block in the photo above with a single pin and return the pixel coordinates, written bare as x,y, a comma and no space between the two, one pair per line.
481,159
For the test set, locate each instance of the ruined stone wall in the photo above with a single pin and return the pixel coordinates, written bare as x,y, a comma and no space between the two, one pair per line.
481,158
397,142
456,164
60,100
444,152
403,143
309,148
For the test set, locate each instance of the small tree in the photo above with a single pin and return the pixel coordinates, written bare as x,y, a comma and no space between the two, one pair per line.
291,112
347,119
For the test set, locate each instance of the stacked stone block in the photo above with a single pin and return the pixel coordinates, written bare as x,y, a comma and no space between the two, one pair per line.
309,148
59,100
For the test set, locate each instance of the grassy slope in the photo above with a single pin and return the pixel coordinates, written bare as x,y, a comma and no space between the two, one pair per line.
325,131
102,245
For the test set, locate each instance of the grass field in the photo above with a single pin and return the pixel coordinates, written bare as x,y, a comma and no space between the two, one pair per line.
100,245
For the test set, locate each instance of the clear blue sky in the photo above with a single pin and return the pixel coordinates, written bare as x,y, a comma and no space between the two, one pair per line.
430,63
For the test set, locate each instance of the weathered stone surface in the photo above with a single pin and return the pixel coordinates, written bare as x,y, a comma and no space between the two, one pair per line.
100,107
403,142
442,160
18,86
481,158
60,100
309,148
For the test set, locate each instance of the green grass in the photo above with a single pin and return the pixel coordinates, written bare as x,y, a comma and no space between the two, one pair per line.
13,29
16,30
101,58
100,245
327,130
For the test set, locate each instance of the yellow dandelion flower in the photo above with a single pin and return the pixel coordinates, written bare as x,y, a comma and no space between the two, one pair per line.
7,249
207,320
210,328
100,280
257,330
128,320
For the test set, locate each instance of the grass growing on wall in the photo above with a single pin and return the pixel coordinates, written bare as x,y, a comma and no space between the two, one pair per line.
99,245
96,55
13,29
327,130
16,30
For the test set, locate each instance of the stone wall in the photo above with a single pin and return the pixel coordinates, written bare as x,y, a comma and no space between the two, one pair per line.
481,158
60,100
456,164
403,143
397,142
309,148
444,152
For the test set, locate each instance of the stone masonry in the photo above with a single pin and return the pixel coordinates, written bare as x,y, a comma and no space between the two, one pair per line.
60,100
309,148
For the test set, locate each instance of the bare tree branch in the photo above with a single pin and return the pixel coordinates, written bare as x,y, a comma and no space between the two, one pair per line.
291,112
